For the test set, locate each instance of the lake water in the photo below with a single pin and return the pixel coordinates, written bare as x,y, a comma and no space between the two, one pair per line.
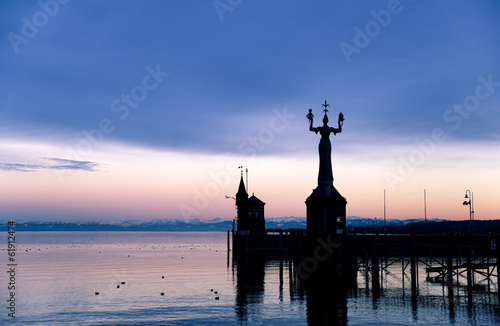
59,273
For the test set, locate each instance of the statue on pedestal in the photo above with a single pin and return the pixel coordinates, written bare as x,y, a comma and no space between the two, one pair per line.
325,175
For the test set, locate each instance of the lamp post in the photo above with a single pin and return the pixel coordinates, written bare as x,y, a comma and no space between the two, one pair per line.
469,195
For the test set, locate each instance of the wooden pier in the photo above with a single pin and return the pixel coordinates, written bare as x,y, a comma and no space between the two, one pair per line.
456,260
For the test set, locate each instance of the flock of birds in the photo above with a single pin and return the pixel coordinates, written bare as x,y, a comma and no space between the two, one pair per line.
215,292
217,297
118,286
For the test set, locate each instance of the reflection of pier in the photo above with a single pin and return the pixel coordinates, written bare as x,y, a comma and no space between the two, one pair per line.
250,273
324,297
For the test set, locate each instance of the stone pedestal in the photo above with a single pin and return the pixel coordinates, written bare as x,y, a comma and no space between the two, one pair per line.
326,213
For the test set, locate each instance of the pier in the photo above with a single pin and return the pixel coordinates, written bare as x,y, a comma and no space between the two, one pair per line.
455,260
405,271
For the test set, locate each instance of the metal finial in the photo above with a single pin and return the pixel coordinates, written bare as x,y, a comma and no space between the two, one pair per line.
325,105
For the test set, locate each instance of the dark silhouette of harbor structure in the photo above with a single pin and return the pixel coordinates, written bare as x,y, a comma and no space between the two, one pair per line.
326,293
325,253
326,208
250,212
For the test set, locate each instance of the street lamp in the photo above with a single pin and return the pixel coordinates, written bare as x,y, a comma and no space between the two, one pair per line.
469,195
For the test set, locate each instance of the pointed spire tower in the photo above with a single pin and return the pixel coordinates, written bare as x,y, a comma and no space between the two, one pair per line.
241,195
250,211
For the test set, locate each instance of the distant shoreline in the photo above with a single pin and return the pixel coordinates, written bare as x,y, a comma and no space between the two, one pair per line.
356,225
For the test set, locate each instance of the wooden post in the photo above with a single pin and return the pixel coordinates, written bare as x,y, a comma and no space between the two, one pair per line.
403,269
413,270
449,266
488,273
375,269
469,267
228,248
281,242
281,278
497,255
301,243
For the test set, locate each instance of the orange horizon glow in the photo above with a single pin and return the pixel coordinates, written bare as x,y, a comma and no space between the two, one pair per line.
159,184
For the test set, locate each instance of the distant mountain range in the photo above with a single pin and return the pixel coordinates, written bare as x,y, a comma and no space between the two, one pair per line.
216,224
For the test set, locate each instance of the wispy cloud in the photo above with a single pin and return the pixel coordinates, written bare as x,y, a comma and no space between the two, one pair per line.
53,164
20,167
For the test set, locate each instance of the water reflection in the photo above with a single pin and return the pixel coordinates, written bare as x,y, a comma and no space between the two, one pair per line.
61,272
324,293
250,273
328,297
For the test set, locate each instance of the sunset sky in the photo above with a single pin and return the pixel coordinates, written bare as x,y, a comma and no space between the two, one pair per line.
115,110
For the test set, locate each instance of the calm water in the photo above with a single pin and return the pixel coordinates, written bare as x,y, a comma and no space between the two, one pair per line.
58,274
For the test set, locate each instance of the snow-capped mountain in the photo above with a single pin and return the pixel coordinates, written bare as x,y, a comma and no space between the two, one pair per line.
216,224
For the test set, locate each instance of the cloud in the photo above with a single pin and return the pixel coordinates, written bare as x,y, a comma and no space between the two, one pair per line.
53,164
226,80
63,164
19,167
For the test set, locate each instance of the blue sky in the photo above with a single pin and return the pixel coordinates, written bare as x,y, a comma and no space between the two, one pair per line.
201,77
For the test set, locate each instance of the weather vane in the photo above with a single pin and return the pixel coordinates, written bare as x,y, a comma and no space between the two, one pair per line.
325,105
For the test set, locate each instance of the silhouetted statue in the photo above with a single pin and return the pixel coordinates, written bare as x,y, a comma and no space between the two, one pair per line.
325,175
326,208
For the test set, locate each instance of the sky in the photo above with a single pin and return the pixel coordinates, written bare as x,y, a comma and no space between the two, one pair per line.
117,110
